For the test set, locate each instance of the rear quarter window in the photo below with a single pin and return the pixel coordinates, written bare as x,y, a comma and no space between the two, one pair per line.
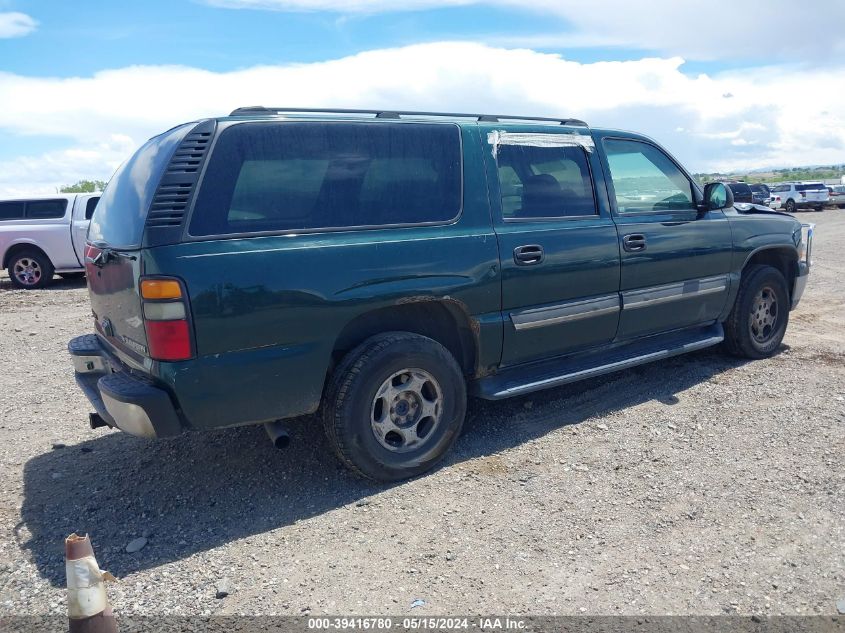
46,209
11,210
283,176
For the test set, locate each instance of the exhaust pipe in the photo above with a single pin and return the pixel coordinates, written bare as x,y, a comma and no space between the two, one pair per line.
278,433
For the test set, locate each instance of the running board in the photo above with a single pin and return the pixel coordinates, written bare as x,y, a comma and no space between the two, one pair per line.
523,379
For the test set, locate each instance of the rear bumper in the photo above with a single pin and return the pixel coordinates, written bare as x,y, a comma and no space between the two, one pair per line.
123,400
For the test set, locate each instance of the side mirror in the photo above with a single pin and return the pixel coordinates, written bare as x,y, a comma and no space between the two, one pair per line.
717,195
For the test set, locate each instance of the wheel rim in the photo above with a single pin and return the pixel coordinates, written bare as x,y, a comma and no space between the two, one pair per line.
27,271
764,315
406,411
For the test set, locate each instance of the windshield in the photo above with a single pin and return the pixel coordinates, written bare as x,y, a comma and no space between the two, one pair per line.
119,218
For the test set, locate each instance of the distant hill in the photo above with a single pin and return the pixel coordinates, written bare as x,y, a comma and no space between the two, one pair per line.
816,172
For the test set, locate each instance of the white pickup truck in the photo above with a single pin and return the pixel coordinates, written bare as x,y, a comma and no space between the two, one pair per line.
43,235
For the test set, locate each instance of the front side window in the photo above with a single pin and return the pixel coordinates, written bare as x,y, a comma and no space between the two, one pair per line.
11,210
645,180
46,209
544,182
289,176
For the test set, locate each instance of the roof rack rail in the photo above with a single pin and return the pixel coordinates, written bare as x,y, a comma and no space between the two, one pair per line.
398,114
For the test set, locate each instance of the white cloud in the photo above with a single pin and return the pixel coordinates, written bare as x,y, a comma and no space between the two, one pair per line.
758,127
719,29
46,173
15,24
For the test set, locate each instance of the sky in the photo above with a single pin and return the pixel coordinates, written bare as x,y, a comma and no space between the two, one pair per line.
723,85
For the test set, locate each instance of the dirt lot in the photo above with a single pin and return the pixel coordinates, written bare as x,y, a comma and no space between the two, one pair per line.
700,485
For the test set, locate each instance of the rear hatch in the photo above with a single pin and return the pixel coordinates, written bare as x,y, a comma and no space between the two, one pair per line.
813,192
114,257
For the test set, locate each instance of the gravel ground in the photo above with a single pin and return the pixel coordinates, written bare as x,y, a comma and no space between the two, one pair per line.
699,485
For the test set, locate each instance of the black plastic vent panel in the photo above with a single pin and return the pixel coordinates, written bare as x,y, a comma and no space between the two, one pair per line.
177,185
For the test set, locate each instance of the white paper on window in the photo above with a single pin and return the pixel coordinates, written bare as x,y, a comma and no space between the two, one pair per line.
538,139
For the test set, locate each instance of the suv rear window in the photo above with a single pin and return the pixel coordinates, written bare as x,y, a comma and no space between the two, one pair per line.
812,187
739,187
120,214
264,177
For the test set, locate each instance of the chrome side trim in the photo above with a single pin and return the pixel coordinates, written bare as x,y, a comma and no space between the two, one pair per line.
566,312
672,292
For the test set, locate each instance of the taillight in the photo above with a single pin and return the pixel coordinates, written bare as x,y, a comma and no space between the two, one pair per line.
166,319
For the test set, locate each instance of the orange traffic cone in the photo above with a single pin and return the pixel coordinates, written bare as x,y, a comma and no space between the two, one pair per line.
87,604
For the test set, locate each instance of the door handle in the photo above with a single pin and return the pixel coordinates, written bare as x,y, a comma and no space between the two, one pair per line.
528,255
634,242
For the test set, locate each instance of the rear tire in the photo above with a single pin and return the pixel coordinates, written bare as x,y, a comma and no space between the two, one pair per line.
30,269
757,323
394,406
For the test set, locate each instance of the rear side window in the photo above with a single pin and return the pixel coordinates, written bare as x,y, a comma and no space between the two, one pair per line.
288,176
90,206
544,182
46,209
814,187
119,217
11,210
645,179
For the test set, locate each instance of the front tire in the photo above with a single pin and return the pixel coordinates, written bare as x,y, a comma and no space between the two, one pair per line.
30,269
790,206
757,323
394,406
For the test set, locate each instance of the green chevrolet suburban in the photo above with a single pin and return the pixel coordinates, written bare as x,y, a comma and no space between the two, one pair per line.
379,267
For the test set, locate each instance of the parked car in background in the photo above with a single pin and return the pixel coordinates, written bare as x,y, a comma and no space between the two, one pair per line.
381,266
837,195
760,193
799,195
741,191
43,235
